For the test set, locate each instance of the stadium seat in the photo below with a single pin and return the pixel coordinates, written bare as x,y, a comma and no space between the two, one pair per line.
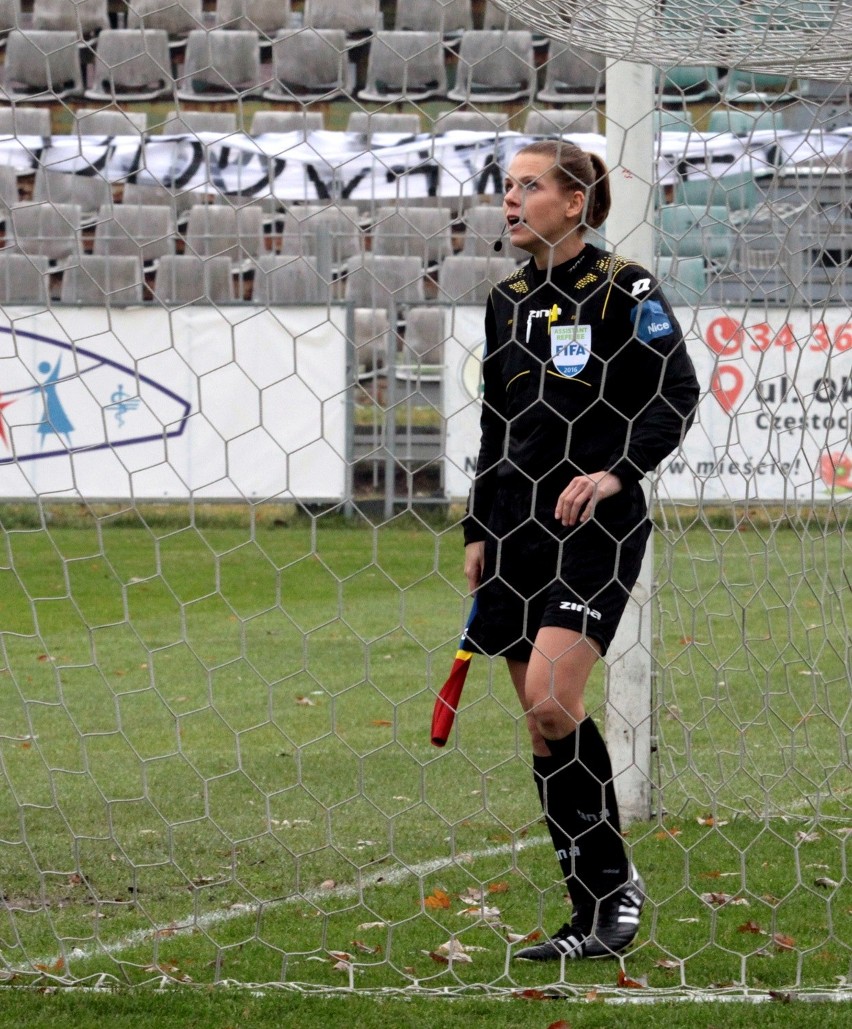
41,67
384,282
176,17
373,337
496,18
471,121
494,67
10,18
311,228
425,332
422,232
560,122
287,121
144,231
371,123
742,123
9,194
24,121
672,121
405,66
131,64
109,122
103,280
451,18
157,194
23,278
46,230
289,279
484,225
310,65
54,185
749,87
220,65
683,280
220,230
355,17
572,74
178,123
88,17
684,230
265,17
468,280
187,279
688,83
737,191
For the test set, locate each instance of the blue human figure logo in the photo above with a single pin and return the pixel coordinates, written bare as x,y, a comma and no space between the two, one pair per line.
55,421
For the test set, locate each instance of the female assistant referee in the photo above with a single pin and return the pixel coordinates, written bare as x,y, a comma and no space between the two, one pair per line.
587,387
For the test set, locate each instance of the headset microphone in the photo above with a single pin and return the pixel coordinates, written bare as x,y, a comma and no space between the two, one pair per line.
498,243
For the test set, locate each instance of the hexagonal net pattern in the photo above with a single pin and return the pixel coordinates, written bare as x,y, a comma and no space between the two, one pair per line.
247,274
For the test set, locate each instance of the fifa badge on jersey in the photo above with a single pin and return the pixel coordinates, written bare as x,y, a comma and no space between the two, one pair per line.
570,346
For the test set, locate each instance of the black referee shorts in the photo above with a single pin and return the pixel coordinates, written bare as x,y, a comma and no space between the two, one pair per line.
541,573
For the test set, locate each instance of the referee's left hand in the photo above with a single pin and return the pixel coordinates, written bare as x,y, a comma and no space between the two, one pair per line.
577,501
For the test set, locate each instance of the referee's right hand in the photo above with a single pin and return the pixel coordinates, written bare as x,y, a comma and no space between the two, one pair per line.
474,562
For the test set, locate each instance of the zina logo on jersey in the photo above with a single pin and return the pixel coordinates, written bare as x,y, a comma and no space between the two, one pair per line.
570,347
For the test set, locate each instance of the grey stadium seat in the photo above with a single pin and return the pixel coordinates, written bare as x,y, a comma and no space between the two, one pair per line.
176,17
310,64
86,16
354,17
131,64
289,279
145,231
468,280
91,192
24,121
422,232
381,281
287,121
449,17
405,66
42,67
186,279
494,67
265,17
23,278
220,65
110,122
46,230
560,122
214,230
179,123
572,74
103,280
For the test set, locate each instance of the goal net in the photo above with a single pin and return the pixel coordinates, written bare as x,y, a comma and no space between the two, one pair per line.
246,253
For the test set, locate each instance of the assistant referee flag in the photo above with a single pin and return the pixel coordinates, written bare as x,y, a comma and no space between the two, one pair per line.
447,701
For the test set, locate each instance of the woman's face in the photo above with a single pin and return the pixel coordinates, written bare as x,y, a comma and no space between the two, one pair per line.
542,217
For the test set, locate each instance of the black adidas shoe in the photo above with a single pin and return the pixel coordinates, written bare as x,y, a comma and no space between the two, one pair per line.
569,942
616,920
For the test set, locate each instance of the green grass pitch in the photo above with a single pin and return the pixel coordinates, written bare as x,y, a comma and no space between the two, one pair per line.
216,767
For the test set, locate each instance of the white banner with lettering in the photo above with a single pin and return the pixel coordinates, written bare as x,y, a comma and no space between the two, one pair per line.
775,418
345,167
148,404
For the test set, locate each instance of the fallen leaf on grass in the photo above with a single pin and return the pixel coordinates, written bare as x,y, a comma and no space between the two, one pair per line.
826,883
518,938
436,900
625,982
711,822
667,963
783,942
489,914
381,722
372,925
668,834
750,927
445,959
327,884
306,702
561,1024
720,899
807,837
498,887
365,948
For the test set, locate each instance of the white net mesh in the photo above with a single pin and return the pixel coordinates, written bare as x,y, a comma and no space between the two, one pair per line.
246,256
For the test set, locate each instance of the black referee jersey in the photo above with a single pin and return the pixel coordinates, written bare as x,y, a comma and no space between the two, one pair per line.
585,370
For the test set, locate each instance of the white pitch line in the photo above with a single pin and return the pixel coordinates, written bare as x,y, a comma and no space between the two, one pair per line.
343,892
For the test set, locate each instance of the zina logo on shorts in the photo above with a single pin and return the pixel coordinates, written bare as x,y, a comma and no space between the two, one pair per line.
570,605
